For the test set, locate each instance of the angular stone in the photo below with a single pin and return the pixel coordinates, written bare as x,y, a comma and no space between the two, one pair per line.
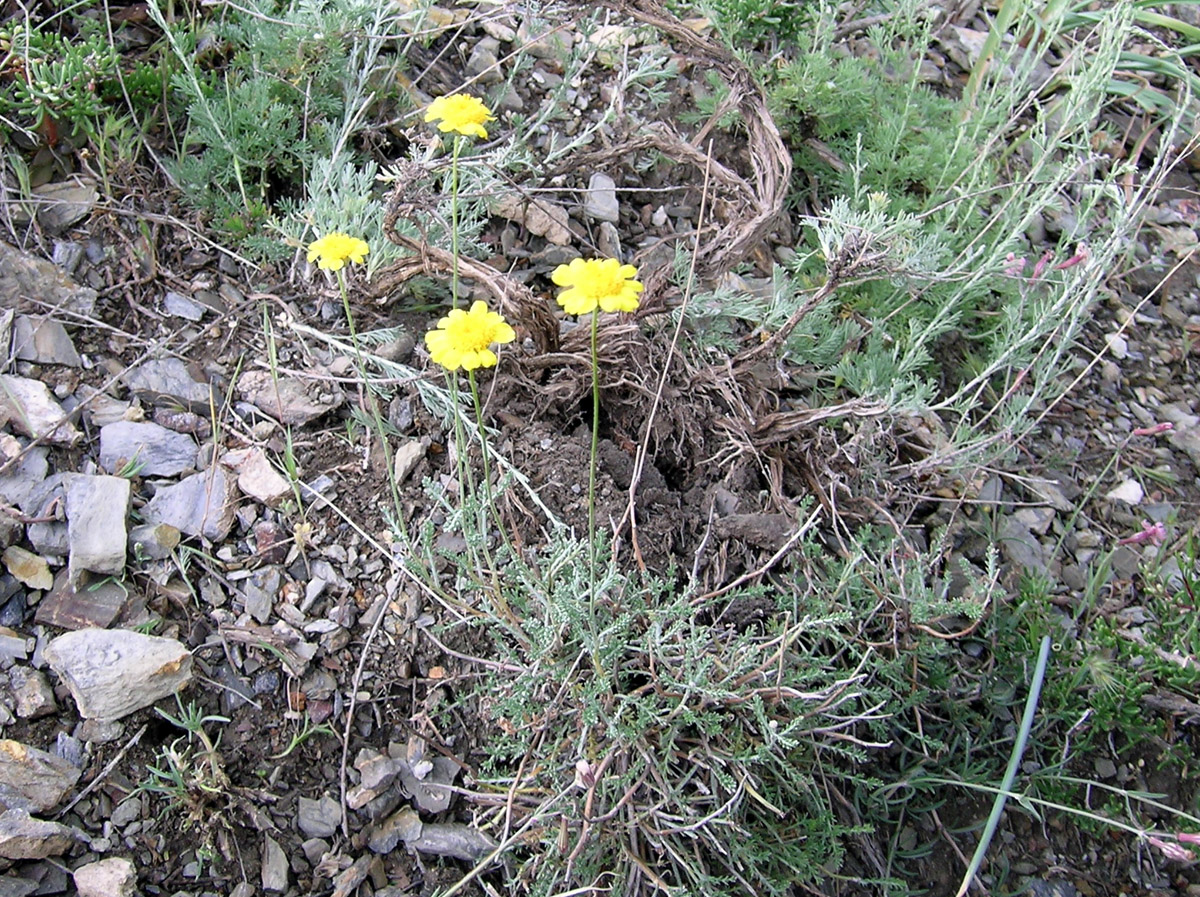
1129,492
28,568
168,381
484,64
1020,548
403,825
452,839
112,673
92,606
33,411
153,541
61,204
97,510
43,341
539,216
35,696
203,504
179,306
257,477
23,276
543,40
23,477
406,458
150,449
431,793
102,409
274,866
289,400
260,591
24,838
600,203
31,779
112,877
47,502
12,645
11,886
319,818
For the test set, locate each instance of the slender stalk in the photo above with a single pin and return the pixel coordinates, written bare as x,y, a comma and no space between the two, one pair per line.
1014,763
454,220
487,471
592,469
372,403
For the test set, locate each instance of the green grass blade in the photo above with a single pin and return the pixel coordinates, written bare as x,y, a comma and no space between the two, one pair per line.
1014,763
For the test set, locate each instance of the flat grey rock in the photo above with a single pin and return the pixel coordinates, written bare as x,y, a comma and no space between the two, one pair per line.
289,400
1020,548
260,592
43,341
111,877
11,886
452,839
49,538
23,275
274,866
32,779
151,449
24,476
432,794
600,203
403,825
64,203
97,512
167,381
200,505
24,838
319,818
34,412
100,408
178,305
113,673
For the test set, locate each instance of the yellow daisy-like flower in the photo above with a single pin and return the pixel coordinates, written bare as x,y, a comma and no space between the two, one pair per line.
603,283
462,338
332,251
461,113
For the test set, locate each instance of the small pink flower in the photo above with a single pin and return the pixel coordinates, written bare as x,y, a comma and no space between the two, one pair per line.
1081,255
1155,430
1014,265
1154,533
1041,265
1188,837
1171,850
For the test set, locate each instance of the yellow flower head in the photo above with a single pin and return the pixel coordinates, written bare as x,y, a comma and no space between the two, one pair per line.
461,113
462,338
334,250
597,282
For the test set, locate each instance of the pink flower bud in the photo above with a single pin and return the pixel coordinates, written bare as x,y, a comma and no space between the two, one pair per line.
1155,430
1081,254
1171,850
1153,533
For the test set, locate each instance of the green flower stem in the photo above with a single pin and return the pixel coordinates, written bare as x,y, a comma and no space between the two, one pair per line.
454,219
372,402
592,468
487,470
466,482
